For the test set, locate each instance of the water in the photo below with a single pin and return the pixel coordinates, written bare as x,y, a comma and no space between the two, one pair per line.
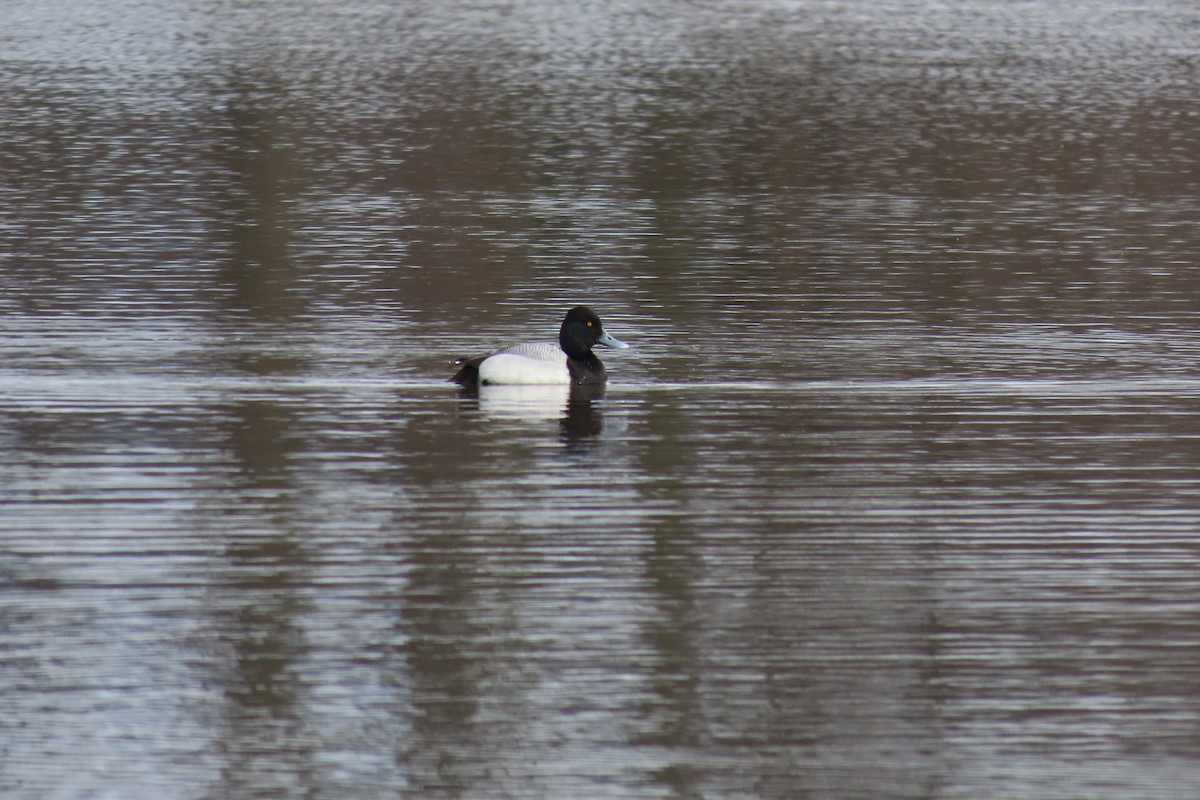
892,496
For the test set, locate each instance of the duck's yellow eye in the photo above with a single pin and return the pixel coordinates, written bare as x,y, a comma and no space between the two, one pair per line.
589,323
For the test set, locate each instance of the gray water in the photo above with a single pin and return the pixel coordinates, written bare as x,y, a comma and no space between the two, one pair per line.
894,494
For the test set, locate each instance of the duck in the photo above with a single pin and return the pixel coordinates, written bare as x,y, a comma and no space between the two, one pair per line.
570,360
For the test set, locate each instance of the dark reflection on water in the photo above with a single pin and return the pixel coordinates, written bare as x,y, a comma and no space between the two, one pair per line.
892,496
577,409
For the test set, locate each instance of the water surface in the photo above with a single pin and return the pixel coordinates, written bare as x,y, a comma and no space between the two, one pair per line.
893,494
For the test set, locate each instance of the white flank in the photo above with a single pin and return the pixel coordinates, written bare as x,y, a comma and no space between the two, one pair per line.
511,368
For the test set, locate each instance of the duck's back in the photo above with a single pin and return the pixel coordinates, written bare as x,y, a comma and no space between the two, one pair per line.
545,350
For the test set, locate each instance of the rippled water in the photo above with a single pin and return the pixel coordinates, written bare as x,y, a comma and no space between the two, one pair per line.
892,496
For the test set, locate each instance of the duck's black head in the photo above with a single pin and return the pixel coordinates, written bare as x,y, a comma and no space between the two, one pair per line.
581,331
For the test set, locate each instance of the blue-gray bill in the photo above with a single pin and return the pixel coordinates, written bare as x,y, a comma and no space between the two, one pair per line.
608,340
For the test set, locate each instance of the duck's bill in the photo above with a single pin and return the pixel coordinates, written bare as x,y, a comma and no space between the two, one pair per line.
609,340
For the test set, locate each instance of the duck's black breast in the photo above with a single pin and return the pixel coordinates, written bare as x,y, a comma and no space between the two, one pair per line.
588,370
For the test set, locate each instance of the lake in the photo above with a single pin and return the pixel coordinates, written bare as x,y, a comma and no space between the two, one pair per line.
893,494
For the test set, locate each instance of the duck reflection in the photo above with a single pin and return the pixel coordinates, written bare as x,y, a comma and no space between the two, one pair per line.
575,407
524,403
583,422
